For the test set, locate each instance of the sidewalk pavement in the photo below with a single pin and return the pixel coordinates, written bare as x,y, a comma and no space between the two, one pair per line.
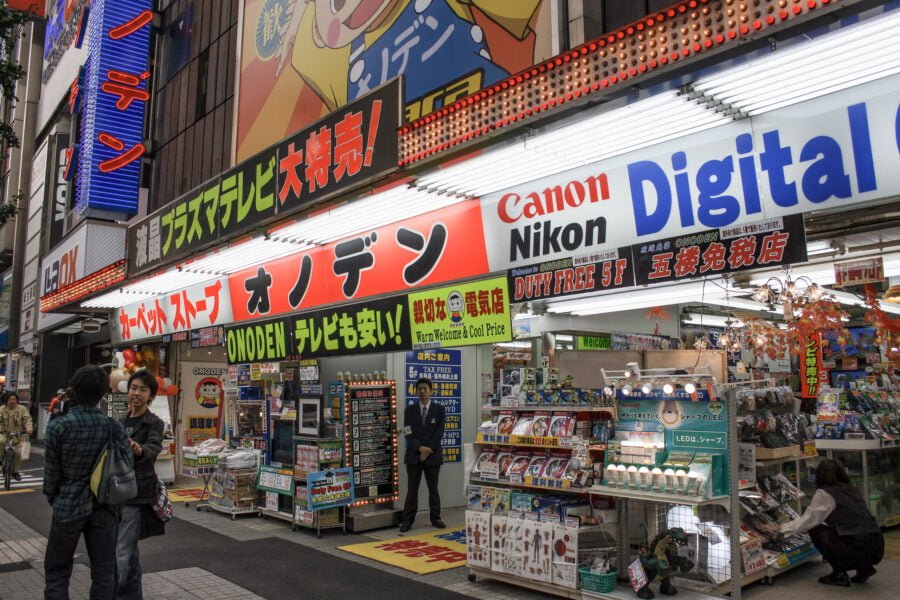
173,575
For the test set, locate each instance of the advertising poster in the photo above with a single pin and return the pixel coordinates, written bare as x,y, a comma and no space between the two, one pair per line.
328,489
202,394
461,315
444,368
301,59
688,425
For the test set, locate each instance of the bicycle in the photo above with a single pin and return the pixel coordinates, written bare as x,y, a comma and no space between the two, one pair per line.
9,459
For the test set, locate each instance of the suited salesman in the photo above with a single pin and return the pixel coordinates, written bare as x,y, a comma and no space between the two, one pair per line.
424,430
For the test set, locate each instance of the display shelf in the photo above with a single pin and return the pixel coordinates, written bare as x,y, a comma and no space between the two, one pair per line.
546,588
614,492
276,514
506,483
552,407
849,445
624,592
233,511
779,461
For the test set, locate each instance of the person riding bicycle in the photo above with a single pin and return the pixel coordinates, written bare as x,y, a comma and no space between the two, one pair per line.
14,418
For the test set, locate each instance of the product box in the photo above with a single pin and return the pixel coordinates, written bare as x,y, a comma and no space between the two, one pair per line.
718,478
770,453
475,500
495,500
520,501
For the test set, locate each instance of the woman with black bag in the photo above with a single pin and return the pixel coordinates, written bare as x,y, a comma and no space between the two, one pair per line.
841,527
138,519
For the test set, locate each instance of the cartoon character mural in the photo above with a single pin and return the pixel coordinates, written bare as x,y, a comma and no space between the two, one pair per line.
301,59
209,392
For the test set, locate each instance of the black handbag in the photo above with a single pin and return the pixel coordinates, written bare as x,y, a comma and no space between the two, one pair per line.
113,480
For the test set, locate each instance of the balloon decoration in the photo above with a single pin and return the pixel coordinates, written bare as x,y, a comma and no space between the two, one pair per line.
172,390
118,376
129,355
122,386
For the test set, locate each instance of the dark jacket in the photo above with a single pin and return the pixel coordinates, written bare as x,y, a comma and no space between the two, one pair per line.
148,434
418,434
850,516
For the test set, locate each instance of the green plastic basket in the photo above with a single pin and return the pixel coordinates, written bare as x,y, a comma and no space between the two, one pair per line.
597,582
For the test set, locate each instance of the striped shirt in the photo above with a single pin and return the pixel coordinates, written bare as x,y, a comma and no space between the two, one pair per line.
71,448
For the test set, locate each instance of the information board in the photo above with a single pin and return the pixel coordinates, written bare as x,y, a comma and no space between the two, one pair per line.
371,421
279,481
444,369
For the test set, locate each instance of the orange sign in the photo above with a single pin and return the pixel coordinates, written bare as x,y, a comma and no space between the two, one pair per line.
437,247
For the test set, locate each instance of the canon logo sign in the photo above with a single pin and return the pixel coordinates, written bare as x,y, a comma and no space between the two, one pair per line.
513,206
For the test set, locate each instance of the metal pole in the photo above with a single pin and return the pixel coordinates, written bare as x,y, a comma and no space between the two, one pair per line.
734,485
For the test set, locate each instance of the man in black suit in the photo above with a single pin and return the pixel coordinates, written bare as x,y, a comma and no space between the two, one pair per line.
424,430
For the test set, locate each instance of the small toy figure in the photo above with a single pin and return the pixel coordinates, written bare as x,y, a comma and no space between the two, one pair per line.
661,560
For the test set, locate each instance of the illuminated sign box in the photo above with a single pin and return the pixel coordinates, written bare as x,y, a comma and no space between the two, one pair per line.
116,91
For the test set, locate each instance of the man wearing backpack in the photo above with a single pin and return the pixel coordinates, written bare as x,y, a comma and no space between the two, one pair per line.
72,446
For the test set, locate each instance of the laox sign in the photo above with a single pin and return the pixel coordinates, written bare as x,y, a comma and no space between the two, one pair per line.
62,271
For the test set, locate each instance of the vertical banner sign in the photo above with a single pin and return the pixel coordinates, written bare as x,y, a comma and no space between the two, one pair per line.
461,315
116,92
811,367
57,188
370,438
444,369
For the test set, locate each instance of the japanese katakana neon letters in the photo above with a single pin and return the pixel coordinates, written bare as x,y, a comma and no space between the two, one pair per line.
113,95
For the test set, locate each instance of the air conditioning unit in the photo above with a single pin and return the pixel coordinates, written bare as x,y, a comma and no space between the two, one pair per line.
91,326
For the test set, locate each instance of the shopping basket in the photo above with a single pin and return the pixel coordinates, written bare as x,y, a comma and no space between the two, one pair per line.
597,582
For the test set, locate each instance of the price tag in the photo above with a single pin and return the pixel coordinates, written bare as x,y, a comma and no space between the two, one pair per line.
514,479
490,471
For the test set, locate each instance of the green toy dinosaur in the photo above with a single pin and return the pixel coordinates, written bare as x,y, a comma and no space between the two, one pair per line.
661,560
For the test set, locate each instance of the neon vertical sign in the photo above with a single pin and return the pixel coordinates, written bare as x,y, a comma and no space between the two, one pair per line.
115,95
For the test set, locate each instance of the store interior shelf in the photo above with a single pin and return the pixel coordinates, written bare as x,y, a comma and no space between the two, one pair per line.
851,445
779,461
546,588
603,490
552,407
